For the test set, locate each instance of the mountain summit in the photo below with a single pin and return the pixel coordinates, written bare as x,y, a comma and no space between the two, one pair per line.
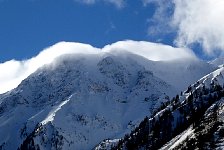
78,100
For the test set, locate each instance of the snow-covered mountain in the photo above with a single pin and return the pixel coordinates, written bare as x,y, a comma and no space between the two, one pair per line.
79,100
181,73
208,132
192,120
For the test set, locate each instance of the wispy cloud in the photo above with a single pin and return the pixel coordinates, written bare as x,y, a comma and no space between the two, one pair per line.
13,72
200,21
159,23
111,28
195,21
117,3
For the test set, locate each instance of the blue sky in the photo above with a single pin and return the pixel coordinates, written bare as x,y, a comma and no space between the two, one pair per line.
28,26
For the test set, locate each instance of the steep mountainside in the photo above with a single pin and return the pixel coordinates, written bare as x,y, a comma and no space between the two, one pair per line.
181,73
79,100
193,120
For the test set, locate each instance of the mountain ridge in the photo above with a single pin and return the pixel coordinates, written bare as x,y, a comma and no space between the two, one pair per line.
91,96
193,120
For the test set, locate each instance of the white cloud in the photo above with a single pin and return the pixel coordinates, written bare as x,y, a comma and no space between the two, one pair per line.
200,21
151,51
13,72
196,21
117,3
160,21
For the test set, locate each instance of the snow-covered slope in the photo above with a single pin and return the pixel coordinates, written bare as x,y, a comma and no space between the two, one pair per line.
181,73
79,100
208,133
192,120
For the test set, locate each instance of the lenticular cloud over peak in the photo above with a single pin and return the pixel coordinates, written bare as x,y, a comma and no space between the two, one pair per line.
16,71
151,51
13,71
